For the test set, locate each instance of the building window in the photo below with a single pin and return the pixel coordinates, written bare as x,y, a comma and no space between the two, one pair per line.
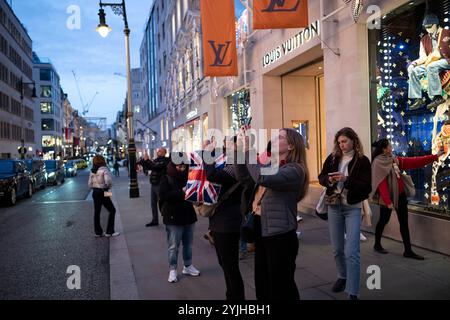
399,81
16,107
48,125
48,141
4,73
16,133
46,91
45,74
29,135
29,114
5,130
46,108
4,45
4,102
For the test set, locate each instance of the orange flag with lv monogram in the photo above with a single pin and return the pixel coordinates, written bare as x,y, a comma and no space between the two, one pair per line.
219,38
280,14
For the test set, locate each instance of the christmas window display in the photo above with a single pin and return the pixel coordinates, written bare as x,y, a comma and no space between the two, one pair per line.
240,109
410,72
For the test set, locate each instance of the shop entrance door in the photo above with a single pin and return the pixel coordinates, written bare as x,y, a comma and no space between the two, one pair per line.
304,110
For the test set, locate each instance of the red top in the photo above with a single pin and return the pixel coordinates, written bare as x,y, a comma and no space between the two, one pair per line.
404,164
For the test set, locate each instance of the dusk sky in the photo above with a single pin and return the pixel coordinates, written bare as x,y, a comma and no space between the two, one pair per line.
94,60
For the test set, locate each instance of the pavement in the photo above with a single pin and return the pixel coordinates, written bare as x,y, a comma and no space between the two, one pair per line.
140,268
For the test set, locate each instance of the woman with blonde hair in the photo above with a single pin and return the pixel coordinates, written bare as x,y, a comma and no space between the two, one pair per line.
274,207
346,174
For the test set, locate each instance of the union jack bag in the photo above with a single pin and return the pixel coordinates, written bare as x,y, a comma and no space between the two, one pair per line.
198,189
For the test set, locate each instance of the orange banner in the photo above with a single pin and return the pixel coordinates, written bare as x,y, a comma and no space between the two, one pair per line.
280,14
219,38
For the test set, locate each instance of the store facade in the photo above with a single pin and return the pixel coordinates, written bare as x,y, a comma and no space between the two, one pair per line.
332,75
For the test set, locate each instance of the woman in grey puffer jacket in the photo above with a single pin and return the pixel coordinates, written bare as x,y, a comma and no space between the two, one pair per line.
274,208
100,181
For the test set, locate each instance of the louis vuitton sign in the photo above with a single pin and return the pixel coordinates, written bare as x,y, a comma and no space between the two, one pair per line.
292,44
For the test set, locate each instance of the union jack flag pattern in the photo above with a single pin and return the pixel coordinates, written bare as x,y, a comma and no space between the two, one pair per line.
198,189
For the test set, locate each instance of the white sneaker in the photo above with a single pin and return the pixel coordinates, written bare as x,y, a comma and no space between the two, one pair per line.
362,237
115,234
191,270
299,218
299,234
173,277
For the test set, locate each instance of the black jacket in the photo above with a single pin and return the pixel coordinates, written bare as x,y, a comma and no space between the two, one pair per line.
228,216
358,184
158,168
174,209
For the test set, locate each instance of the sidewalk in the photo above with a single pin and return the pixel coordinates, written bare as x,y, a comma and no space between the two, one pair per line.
145,250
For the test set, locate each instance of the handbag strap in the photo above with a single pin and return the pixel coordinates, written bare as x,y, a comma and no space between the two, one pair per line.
227,194
350,172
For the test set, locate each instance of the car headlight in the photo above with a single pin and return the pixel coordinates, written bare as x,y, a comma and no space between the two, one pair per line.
51,174
70,169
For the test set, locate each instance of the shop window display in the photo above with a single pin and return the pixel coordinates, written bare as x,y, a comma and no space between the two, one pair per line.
410,92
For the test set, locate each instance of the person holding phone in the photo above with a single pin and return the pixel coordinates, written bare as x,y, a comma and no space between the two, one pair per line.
346,174
274,207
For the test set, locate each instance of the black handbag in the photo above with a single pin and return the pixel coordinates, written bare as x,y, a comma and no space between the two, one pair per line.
248,233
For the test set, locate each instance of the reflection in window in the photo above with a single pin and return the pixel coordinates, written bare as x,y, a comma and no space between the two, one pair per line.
240,110
46,91
48,125
48,141
46,74
415,127
46,108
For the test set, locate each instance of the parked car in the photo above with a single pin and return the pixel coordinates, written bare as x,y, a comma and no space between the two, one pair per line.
70,168
81,164
15,181
55,171
38,173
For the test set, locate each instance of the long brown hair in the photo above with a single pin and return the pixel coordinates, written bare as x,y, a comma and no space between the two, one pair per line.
298,155
99,161
350,134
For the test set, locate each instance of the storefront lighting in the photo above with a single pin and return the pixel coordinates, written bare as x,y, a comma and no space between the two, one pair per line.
446,20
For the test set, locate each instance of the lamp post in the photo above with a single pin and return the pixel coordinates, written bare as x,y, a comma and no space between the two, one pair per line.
22,85
103,29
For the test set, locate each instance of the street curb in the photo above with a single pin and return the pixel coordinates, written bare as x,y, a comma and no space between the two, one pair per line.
122,280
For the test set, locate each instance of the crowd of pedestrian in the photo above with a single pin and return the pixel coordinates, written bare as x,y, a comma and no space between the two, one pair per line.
258,212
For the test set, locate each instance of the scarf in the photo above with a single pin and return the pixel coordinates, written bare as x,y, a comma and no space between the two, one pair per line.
385,166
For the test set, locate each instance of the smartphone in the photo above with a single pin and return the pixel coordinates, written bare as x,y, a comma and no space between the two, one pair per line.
334,173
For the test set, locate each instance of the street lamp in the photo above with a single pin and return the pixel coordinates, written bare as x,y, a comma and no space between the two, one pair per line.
21,86
104,29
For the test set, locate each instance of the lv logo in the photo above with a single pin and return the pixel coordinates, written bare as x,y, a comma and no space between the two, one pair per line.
279,6
220,53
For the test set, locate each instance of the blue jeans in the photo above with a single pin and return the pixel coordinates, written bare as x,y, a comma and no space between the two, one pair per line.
176,235
434,81
343,219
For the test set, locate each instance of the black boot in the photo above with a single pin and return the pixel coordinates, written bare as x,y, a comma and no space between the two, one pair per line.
412,255
152,224
437,101
339,286
378,248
